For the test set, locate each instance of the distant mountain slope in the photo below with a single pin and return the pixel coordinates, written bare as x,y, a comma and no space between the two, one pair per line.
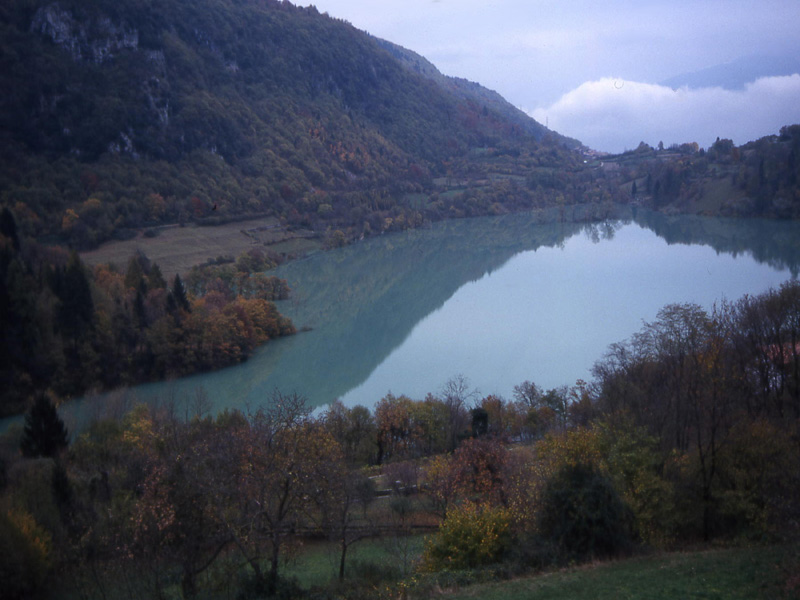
123,113
737,73
473,92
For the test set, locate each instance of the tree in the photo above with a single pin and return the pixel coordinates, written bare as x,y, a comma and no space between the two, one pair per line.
335,494
8,228
176,520
134,275
395,427
155,279
77,306
26,548
440,484
279,451
44,433
471,536
528,393
481,470
455,395
582,515
179,293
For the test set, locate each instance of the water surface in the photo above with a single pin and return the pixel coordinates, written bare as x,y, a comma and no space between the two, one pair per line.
498,300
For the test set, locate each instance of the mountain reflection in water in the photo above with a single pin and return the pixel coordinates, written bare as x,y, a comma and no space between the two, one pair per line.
498,300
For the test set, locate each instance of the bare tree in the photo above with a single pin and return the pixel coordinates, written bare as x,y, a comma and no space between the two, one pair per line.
456,396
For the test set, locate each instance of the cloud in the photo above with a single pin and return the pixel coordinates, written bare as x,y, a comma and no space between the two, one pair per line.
614,114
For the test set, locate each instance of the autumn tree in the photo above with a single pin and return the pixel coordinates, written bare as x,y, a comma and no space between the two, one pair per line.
336,493
395,427
355,431
481,470
282,448
441,484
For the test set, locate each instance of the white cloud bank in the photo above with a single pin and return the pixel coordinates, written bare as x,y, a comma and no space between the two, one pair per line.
614,115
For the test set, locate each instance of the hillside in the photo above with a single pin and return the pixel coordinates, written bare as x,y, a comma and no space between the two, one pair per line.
757,179
135,113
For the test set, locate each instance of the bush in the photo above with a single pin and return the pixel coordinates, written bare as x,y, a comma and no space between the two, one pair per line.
471,536
582,516
25,549
253,588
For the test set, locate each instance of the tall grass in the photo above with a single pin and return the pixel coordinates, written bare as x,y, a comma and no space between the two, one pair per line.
732,574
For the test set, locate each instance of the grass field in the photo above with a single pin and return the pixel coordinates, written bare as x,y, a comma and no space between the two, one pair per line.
733,574
317,564
178,249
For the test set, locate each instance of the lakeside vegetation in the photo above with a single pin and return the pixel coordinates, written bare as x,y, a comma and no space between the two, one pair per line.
687,435
756,179
68,329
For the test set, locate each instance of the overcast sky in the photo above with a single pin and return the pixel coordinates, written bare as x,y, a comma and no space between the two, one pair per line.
590,69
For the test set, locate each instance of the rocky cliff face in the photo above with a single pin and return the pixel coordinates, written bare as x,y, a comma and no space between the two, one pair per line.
96,39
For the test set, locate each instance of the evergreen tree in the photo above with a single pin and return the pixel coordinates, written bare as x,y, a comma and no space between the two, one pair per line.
179,293
155,279
8,228
582,515
139,311
134,274
77,307
45,433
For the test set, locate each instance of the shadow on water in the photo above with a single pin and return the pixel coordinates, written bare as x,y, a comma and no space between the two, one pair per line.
359,303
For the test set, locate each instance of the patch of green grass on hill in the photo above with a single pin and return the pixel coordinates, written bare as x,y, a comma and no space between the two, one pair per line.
731,574
717,193
317,564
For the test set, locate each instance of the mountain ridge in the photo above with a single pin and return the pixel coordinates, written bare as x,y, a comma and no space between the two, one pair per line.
155,112
736,74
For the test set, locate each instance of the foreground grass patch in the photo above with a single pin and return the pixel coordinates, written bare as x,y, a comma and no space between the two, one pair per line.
317,565
741,573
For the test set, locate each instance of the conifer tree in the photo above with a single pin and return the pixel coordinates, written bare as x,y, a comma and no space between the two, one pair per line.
45,433
8,228
179,293
134,274
77,306
155,279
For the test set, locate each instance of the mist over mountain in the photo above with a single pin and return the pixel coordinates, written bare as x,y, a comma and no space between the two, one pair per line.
735,75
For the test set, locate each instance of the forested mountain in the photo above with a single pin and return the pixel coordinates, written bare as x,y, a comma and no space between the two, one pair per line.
757,179
127,113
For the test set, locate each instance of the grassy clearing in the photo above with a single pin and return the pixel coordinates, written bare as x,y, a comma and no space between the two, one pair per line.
317,564
732,574
178,249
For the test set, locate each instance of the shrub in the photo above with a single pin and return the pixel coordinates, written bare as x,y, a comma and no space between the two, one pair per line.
582,515
25,549
471,536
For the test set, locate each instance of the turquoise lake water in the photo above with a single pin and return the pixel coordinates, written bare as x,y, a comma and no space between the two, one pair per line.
497,300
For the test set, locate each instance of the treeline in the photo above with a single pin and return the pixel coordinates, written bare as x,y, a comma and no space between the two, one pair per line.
68,329
756,179
689,432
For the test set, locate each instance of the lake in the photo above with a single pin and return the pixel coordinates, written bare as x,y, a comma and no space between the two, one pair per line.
498,300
